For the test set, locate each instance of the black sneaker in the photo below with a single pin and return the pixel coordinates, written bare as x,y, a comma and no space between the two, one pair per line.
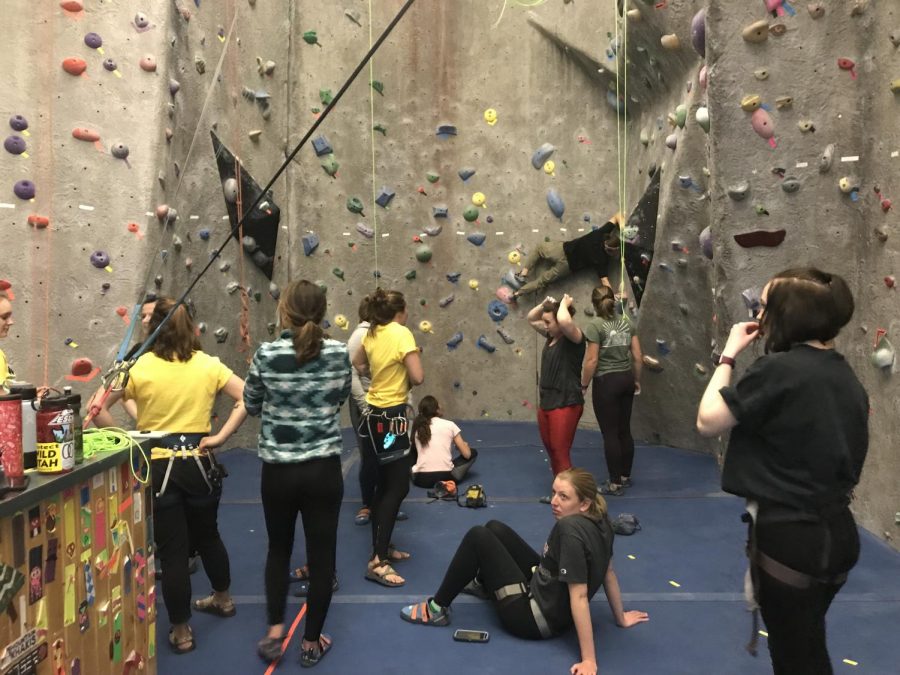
545,500
303,588
607,488
476,588
626,482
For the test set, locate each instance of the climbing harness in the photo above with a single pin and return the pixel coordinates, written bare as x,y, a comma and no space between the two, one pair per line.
389,433
184,446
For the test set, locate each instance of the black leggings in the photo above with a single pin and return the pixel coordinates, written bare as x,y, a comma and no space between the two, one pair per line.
795,618
315,490
184,520
612,396
461,466
498,557
368,467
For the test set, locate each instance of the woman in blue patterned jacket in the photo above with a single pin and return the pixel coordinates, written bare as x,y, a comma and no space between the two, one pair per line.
298,383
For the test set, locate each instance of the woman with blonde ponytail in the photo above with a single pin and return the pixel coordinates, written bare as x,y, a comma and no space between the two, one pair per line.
298,384
174,387
542,595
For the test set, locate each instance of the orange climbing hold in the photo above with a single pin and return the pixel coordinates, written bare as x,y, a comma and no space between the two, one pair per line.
74,65
72,5
85,134
38,222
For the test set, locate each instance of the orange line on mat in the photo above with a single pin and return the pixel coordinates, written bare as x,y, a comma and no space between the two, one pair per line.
287,640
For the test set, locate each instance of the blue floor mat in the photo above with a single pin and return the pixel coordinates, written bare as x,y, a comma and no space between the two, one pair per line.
685,568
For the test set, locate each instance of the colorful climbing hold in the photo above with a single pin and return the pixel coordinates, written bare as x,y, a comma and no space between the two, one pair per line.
490,116
706,242
466,173
384,197
698,32
556,204
446,300
148,63
100,259
550,167
338,272
848,65
310,38
93,41
423,253
410,275
330,166
341,321
670,41
473,283
756,32
485,344
378,86
470,214
310,243
355,205
514,257
756,238
702,117
325,96
74,65
476,238
38,222
751,102
432,177
478,199
497,310
15,145
425,326
763,125
454,340
444,131
24,189
541,155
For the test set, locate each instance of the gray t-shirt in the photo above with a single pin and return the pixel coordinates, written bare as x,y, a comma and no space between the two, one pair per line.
614,337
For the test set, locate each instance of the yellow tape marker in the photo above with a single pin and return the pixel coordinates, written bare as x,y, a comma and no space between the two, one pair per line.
631,557
675,584
108,269
764,633
850,662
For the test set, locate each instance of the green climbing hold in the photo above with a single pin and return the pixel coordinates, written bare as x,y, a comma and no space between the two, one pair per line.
471,213
321,284
311,38
410,275
257,296
325,96
432,177
378,86
315,111
354,205
423,302
338,272
423,253
680,115
381,128
330,165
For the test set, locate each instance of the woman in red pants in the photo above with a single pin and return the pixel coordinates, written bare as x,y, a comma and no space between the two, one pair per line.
561,395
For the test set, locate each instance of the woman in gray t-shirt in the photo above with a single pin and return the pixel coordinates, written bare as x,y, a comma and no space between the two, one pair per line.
612,360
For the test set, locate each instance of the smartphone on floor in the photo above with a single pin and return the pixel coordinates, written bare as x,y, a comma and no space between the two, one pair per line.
462,635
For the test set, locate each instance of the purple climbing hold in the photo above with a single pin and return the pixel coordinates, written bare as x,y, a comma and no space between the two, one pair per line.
706,242
18,123
24,189
110,65
698,32
174,86
497,310
466,173
384,197
454,341
93,41
556,204
100,259
322,146
204,234
476,238
365,230
310,243
490,219
15,145
141,22
485,345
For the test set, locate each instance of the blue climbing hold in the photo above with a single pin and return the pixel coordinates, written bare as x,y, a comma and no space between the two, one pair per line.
322,146
556,204
204,234
385,196
512,279
453,277
476,238
497,310
466,173
445,131
439,211
541,155
454,341
485,345
310,243
662,347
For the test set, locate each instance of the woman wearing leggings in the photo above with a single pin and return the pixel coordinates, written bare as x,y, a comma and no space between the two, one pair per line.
539,596
613,361
175,387
561,396
298,384
390,357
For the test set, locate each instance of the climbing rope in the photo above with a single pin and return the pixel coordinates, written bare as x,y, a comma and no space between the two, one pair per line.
621,52
374,210
113,439
244,322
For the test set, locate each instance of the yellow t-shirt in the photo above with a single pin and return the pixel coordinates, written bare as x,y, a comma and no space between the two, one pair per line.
386,350
176,396
5,374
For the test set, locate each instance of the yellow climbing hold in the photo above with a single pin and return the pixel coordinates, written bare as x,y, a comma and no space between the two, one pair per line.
674,583
473,284
425,326
514,257
490,116
631,557
550,167
341,321
478,199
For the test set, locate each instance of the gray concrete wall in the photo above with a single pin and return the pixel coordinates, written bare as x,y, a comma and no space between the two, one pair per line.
546,72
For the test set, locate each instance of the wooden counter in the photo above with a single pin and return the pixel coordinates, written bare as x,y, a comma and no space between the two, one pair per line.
77,587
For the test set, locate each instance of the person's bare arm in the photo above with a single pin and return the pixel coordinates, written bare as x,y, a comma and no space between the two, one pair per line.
637,362
534,316
102,417
463,447
414,370
714,417
589,365
361,362
581,617
614,598
566,324
130,406
234,388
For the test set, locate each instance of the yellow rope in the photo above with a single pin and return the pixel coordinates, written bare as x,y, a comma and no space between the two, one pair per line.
374,211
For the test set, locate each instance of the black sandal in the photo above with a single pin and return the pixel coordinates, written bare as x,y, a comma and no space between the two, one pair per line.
310,657
178,646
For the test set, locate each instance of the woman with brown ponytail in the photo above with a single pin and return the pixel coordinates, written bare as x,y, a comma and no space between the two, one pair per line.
390,356
612,361
298,384
174,386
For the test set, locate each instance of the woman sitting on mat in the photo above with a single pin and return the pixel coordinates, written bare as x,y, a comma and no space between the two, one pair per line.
175,387
561,399
612,361
799,436
390,357
539,595
298,384
435,438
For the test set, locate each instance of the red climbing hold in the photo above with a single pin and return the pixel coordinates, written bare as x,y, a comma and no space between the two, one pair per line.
847,64
122,310
890,281
72,5
81,367
74,65
38,222
84,134
133,227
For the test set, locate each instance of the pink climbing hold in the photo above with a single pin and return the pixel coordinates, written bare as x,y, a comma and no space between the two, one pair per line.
847,64
148,64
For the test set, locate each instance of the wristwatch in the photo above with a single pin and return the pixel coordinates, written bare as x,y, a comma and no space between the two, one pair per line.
726,360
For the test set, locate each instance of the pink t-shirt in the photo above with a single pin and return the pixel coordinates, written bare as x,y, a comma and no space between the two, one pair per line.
438,454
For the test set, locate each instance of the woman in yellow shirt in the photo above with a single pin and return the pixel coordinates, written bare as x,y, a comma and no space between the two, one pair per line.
388,355
175,387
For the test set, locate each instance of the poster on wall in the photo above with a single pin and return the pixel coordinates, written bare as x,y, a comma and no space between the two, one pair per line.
22,656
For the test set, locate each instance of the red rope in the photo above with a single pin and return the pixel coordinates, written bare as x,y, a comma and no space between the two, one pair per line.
244,324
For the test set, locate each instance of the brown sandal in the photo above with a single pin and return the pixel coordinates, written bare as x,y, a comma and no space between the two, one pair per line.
382,577
208,605
181,646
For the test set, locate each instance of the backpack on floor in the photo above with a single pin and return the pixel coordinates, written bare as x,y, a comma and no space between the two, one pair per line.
626,523
473,498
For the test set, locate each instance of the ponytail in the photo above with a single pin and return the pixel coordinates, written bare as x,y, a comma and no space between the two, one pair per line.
383,307
302,307
604,302
177,341
428,408
585,486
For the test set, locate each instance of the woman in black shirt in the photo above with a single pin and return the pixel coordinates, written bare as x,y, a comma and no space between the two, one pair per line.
539,595
799,436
